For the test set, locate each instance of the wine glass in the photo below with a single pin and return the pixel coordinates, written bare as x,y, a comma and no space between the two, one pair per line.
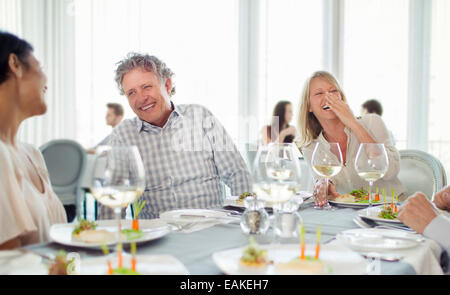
371,163
276,174
326,162
118,178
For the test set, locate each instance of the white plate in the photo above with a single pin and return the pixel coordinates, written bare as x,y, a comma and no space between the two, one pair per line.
372,213
146,265
339,259
151,228
191,215
375,239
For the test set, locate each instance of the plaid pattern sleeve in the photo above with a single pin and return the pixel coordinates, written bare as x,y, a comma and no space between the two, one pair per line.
184,161
229,162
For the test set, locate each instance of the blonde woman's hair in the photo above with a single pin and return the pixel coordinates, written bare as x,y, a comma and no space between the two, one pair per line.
308,125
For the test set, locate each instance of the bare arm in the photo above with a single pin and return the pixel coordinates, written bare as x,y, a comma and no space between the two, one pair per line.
11,244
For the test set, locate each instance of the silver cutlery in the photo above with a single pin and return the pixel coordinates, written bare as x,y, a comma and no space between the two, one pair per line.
373,224
389,257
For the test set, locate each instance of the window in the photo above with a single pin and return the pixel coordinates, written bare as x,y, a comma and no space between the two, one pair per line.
291,50
439,99
375,62
197,39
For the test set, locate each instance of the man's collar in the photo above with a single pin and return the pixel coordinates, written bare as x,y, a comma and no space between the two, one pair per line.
146,126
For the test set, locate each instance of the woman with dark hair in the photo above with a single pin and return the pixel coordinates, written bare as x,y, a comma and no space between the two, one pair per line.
28,205
279,129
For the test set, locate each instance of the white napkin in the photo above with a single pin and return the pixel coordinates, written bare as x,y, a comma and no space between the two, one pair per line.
424,258
16,262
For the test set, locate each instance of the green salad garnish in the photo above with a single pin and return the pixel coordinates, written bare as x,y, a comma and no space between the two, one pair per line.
387,213
125,271
84,224
132,234
253,254
245,195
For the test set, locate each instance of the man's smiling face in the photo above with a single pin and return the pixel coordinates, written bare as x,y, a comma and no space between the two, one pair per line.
148,98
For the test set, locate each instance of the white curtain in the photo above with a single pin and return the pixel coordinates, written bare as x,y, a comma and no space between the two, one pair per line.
9,10
48,26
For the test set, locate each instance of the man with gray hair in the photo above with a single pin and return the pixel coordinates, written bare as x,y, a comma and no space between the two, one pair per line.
185,150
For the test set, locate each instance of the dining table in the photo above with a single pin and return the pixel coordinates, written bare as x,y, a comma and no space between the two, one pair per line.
195,249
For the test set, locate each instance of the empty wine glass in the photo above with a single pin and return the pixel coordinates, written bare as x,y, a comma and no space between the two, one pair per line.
118,179
276,173
371,163
326,162
276,177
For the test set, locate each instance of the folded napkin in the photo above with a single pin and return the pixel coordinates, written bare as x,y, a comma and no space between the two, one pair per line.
425,259
16,262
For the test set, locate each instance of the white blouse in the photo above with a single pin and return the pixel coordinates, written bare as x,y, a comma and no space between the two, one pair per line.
348,180
25,212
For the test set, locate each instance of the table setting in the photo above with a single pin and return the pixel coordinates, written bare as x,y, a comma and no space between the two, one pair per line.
278,219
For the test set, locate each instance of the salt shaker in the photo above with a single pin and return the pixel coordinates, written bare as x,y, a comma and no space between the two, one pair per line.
255,219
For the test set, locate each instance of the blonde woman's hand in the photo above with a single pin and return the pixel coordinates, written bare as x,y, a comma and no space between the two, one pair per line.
320,196
341,109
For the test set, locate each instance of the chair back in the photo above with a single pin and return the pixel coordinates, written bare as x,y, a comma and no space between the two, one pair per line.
421,172
66,162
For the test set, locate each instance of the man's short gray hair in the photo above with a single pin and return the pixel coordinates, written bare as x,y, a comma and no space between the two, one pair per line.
148,62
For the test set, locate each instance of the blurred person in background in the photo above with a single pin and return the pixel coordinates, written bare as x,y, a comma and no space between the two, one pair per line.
279,130
373,106
114,116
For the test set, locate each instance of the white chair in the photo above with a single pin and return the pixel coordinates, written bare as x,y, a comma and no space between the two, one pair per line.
66,161
421,172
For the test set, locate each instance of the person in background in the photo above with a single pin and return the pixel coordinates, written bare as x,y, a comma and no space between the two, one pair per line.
114,116
421,215
326,117
373,106
186,152
279,130
28,205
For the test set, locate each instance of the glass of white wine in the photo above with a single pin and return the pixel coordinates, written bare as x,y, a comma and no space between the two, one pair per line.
326,162
118,178
371,163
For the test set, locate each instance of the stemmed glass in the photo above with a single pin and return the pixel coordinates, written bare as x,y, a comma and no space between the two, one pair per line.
326,162
118,178
276,174
371,163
